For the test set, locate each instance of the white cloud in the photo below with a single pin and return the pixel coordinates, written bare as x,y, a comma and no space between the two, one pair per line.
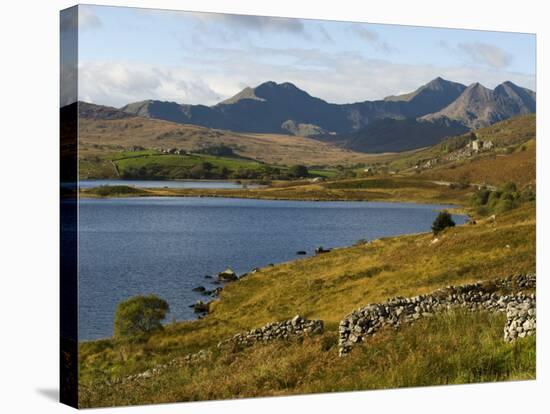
371,37
486,54
216,75
259,23
119,83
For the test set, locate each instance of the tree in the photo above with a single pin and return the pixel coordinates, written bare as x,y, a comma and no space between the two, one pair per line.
298,171
442,221
140,315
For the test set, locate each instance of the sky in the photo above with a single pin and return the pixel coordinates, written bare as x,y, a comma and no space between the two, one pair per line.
132,54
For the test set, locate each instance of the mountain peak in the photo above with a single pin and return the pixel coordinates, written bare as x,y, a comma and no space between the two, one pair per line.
246,93
264,91
479,106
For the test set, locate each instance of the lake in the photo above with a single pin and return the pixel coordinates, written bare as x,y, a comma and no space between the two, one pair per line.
164,183
166,246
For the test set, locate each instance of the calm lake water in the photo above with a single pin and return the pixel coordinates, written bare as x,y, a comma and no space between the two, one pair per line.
165,246
162,184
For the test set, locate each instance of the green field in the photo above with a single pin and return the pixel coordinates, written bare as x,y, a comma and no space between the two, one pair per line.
150,164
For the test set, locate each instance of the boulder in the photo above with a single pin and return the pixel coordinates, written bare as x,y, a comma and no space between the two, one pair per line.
200,307
228,275
199,289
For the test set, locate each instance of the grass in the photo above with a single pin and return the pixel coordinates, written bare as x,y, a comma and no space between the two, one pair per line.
99,137
518,166
328,287
435,351
513,157
447,349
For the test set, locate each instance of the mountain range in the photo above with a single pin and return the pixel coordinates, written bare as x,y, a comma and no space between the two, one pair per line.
423,117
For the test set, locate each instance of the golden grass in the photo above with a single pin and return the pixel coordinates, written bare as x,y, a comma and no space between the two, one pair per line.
494,169
96,137
434,351
331,285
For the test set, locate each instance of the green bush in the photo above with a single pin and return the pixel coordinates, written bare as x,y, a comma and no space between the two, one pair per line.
298,171
442,221
140,315
107,190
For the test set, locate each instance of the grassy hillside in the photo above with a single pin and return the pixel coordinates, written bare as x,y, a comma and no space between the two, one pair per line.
434,351
329,286
98,136
152,164
447,349
511,159
518,166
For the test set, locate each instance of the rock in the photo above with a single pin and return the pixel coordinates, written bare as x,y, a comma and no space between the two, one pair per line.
200,307
228,275
519,307
301,252
320,250
199,289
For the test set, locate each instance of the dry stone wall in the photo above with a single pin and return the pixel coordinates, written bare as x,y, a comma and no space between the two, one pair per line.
520,308
520,319
294,327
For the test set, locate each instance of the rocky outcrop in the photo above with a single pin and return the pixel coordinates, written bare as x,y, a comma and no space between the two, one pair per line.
295,327
365,322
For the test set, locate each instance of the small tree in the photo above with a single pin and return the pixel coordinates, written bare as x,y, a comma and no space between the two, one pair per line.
298,171
442,221
140,315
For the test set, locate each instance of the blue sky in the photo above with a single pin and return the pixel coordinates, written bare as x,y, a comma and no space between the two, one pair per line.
128,54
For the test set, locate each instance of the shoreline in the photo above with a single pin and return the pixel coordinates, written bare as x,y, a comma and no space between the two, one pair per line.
295,260
456,208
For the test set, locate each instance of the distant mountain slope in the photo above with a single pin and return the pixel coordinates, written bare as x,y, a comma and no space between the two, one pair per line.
431,97
435,110
394,135
271,107
99,136
479,106
91,111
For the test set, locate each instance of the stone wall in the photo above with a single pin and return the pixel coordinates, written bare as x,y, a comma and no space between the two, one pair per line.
490,296
520,319
294,327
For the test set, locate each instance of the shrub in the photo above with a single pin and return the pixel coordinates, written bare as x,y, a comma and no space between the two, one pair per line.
107,190
509,187
442,221
140,315
298,171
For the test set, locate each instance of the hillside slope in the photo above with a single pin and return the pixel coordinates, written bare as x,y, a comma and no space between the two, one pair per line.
395,135
99,137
